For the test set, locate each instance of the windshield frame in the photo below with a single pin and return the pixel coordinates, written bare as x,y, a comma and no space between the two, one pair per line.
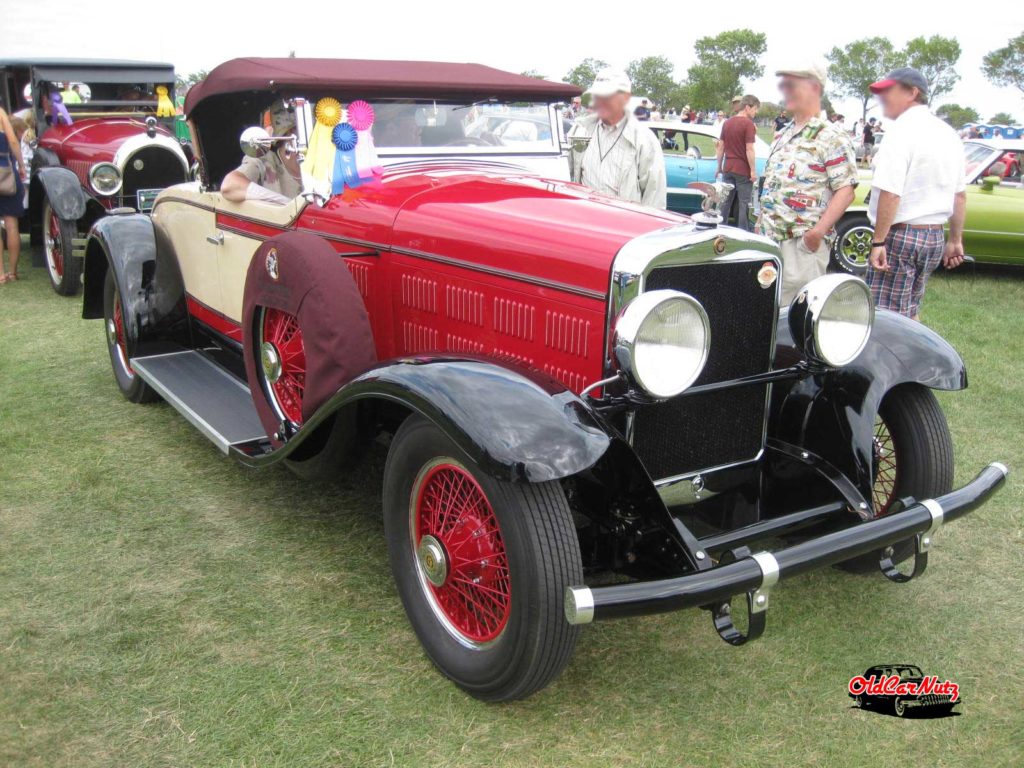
554,147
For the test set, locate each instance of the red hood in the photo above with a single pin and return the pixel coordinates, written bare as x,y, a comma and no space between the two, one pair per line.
550,230
93,138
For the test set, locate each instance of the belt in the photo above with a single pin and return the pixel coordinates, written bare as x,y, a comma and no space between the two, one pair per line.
905,225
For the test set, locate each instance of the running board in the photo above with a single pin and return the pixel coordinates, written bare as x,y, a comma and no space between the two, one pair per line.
215,401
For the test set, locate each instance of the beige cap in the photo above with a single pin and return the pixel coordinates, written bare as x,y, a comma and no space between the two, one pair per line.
609,81
812,70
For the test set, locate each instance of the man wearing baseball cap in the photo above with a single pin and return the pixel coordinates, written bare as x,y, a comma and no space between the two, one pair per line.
614,153
809,179
918,185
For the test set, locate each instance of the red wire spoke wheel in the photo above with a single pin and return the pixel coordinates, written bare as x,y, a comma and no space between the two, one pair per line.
54,249
460,553
481,564
283,361
884,490
912,457
116,329
62,266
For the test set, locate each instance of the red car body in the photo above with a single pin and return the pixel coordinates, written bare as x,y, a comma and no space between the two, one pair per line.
567,384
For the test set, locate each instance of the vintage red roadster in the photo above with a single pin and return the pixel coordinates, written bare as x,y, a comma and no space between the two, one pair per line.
595,409
114,149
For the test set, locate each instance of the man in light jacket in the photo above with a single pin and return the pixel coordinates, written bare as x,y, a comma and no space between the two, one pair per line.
614,153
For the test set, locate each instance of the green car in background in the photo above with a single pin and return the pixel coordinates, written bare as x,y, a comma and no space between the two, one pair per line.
994,228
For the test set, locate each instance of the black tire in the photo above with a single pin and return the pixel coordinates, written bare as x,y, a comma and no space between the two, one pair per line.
65,270
534,537
899,707
131,386
921,458
852,245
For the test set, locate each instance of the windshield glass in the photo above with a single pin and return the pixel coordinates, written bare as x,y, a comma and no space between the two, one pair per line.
82,99
434,127
975,155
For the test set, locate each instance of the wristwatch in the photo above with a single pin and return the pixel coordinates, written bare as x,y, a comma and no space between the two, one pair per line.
878,245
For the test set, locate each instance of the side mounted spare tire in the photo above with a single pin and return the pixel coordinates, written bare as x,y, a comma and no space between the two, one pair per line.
306,331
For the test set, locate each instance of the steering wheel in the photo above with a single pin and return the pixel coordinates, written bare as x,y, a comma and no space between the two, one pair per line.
468,141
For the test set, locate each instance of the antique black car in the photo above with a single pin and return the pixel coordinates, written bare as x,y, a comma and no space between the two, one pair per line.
570,386
902,688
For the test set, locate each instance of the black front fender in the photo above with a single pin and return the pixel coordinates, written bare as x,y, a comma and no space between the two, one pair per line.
147,277
64,191
515,427
833,413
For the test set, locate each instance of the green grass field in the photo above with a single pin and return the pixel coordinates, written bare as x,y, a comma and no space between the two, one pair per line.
162,606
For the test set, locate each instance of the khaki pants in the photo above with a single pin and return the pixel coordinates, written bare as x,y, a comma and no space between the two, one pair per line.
800,266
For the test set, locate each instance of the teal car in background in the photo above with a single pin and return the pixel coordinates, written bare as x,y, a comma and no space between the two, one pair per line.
690,156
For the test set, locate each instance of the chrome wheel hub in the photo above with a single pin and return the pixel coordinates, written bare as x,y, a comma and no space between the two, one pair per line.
856,246
433,560
111,333
271,362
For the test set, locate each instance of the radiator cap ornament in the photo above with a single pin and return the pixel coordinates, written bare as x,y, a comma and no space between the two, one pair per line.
767,275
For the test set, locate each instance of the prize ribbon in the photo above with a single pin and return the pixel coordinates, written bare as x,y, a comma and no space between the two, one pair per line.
344,137
360,115
328,112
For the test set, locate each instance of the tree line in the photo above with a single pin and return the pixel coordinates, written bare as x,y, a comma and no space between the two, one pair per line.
726,60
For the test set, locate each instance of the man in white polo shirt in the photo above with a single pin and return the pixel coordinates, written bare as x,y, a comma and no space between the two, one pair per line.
918,186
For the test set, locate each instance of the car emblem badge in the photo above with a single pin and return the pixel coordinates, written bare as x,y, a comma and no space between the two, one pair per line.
767,275
272,263
719,245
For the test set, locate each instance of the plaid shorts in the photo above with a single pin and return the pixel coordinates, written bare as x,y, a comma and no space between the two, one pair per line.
913,253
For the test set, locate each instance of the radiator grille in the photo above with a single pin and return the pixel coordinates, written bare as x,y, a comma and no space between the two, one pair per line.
160,168
690,433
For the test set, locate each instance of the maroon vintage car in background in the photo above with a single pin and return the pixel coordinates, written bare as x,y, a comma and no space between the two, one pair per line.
101,147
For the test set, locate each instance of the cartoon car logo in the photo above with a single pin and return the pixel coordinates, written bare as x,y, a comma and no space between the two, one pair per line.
272,263
800,202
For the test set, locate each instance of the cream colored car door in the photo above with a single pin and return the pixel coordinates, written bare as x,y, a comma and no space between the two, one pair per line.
186,216
241,228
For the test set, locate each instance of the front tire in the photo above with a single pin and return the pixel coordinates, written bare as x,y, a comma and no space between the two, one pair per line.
131,386
899,706
913,457
852,247
481,565
64,269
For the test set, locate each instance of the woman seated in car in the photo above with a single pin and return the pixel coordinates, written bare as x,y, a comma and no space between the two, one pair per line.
274,177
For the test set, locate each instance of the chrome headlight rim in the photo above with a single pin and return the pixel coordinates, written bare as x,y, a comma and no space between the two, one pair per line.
632,320
100,190
808,310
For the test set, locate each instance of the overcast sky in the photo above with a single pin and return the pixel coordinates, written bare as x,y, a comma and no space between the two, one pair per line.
550,37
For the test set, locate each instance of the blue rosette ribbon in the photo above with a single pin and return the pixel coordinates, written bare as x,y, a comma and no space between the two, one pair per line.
344,137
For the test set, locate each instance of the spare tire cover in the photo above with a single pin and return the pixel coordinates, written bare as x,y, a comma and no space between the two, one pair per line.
301,274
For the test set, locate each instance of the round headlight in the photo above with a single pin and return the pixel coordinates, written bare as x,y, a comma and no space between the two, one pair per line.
831,318
105,178
662,340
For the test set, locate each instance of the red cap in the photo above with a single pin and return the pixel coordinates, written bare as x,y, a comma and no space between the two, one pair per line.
882,85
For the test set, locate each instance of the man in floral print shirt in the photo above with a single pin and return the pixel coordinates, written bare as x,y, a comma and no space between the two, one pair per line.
809,180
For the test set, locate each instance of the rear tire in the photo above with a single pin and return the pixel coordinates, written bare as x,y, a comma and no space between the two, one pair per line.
131,386
913,457
852,247
64,269
483,591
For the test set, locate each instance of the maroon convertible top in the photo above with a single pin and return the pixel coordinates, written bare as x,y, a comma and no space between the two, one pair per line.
372,78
